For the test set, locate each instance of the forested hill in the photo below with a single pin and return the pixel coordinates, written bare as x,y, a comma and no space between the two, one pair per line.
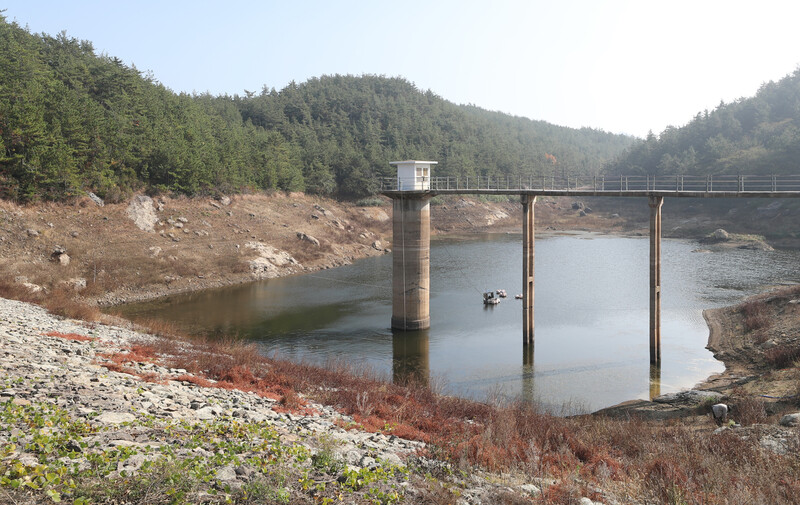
350,127
73,121
758,135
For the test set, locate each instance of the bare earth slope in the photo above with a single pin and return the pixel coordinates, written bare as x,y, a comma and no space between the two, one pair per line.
145,248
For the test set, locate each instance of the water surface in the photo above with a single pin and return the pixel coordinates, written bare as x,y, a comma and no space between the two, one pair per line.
591,312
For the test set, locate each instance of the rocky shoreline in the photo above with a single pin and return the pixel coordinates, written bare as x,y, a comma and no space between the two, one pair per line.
65,413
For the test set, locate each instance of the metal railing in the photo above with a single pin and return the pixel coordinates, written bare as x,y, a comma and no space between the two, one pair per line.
614,184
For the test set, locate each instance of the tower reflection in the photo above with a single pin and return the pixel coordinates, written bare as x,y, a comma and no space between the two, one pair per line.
410,357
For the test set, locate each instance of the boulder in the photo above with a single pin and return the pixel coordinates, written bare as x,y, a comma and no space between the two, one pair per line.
577,205
720,235
77,284
143,213
307,238
115,418
377,245
97,200
269,260
59,255
790,419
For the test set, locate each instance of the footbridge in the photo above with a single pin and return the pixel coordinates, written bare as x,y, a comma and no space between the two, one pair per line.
413,188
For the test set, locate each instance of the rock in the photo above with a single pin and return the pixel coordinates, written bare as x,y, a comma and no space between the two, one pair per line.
577,205
588,210
582,213
377,245
33,288
74,234
307,238
224,200
115,418
154,251
76,283
530,489
691,396
97,200
143,213
32,233
269,260
368,462
132,464
392,458
226,473
720,235
757,245
214,204
614,216
60,258
790,419
183,220
206,413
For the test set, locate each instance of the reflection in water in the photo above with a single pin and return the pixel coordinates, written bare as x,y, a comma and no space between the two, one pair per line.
528,372
655,380
410,357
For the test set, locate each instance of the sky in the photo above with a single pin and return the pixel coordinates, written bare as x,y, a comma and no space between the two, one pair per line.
620,66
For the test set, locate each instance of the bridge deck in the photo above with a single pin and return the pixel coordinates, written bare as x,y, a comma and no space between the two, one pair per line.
724,186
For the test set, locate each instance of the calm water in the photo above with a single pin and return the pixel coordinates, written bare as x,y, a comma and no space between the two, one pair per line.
591,313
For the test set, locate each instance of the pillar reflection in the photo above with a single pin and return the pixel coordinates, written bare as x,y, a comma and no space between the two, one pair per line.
528,372
410,357
655,380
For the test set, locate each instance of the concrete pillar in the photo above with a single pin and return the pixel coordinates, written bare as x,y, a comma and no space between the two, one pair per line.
655,278
527,268
411,258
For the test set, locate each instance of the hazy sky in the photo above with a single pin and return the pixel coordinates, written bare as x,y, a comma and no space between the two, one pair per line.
623,66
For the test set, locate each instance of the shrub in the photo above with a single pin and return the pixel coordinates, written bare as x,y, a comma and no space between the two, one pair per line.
783,356
756,315
374,201
750,410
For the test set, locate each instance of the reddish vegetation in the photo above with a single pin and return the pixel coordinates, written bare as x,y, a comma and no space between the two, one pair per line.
70,336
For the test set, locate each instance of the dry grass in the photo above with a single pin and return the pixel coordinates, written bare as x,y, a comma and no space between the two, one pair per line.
756,315
783,355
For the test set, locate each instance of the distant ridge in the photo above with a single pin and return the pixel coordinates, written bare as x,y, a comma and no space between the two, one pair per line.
72,121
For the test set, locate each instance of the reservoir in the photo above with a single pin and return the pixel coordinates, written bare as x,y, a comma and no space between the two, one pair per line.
591,311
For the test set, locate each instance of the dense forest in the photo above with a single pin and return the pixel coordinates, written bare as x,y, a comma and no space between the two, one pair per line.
757,135
73,121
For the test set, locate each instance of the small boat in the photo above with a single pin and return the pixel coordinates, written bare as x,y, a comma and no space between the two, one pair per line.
490,299
518,297
502,293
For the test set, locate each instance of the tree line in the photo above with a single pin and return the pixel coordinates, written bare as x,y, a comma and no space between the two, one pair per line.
759,135
73,121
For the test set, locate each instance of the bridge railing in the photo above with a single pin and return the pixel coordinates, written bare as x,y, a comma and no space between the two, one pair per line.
625,183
